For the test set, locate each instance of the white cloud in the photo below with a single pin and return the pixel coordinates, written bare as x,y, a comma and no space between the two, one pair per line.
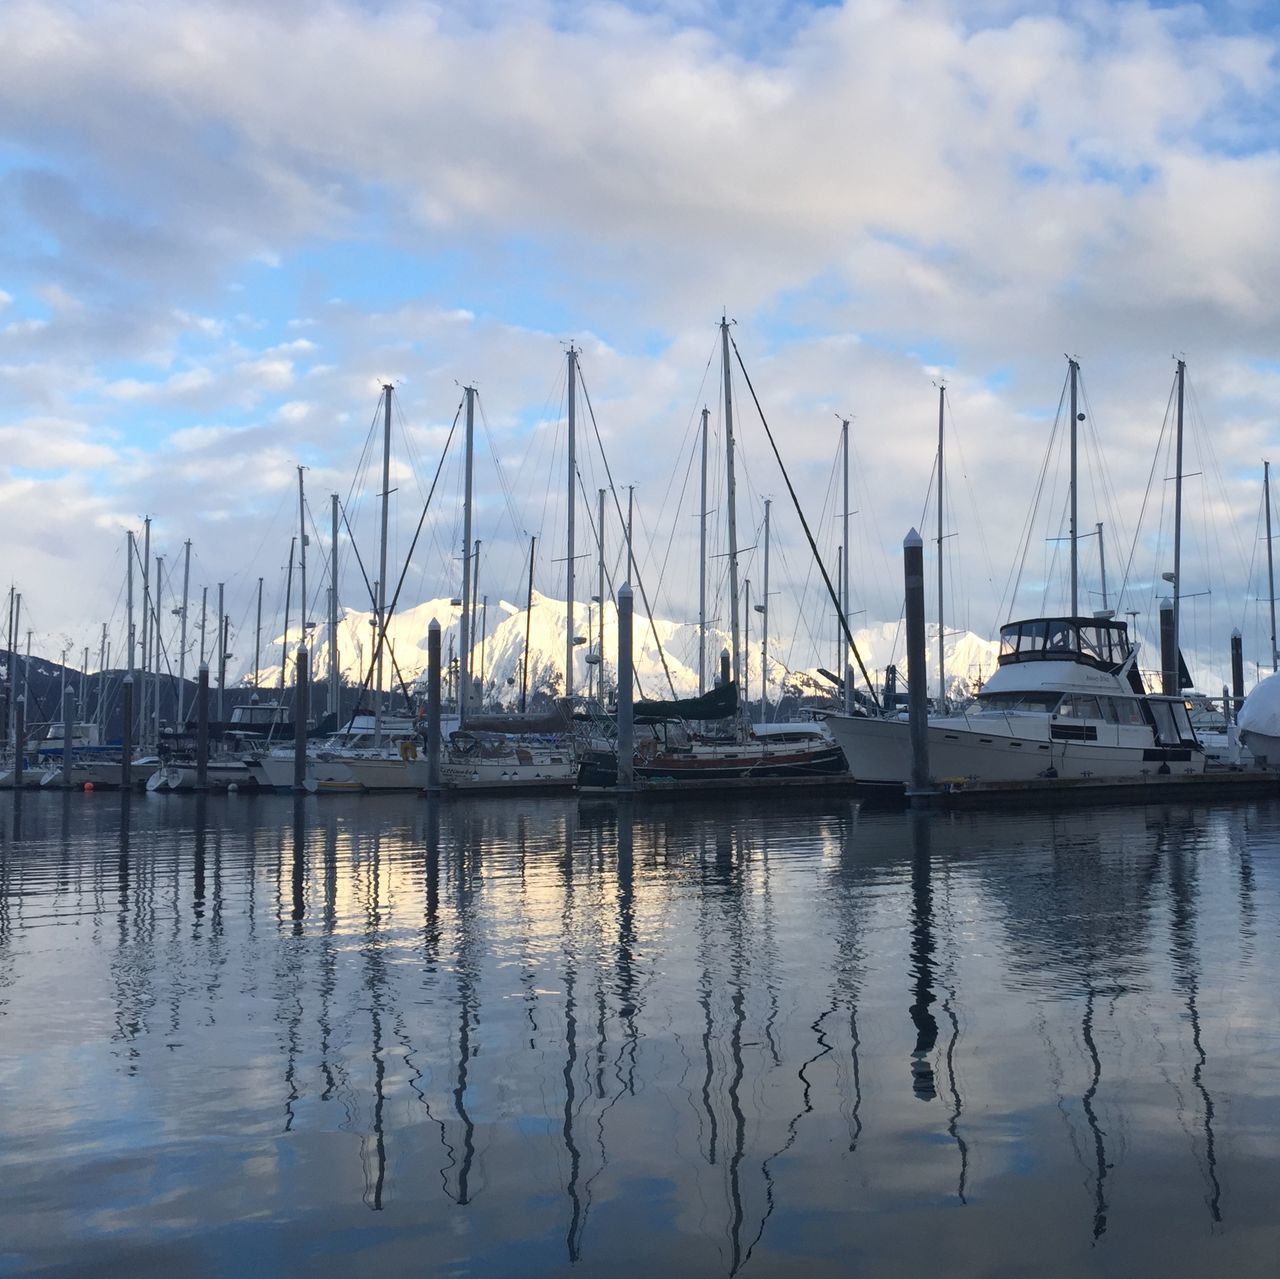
891,189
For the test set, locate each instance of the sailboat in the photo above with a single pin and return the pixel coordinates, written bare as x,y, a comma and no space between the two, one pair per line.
671,753
1065,702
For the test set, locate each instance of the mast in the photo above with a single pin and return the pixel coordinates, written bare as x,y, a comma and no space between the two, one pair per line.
763,609
381,639
484,637
528,619
601,600
1102,566
133,634
1271,572
732,502
222,649
845,669
302,562
257,639
288,602
144,718
746,647
631,554
475,604
464,624
334,667
942,630
158,651
1177,532
9,674
204,626
702,564
99,710
568,570
1074,370
182,637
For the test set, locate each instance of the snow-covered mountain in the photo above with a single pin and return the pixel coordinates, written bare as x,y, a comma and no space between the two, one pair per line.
969,658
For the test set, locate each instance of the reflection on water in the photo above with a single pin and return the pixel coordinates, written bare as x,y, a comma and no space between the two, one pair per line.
365,1035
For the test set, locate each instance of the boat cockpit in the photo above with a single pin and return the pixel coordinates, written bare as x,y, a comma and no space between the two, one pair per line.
1093,641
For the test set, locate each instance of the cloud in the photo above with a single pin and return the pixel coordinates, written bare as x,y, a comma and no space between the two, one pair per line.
877,191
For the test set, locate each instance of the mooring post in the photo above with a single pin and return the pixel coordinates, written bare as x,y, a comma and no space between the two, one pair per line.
300,721
202,728
626,693
1237,674
68,734
126,734
19,740
917,686
433,707
1168,654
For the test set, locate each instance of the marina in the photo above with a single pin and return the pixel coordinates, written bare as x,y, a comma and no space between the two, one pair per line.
348,1034
640,639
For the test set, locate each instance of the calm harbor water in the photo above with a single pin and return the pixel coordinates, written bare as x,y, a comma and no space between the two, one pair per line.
369,1035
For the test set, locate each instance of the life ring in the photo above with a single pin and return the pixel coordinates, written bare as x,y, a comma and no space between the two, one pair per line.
408,751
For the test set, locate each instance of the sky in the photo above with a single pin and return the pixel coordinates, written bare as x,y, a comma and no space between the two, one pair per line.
223,226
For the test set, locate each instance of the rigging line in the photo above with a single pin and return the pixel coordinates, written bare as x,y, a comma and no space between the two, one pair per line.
684,488
813,546
1013,582
391,608
644,595
516,525
968,484
1155,461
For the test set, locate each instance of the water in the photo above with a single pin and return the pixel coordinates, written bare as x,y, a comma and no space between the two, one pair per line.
359,1036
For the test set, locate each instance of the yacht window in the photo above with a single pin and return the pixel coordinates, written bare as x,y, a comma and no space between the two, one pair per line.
1095,642
1061,637
1166,727
1031,637
1080,706
1035,700
1128,711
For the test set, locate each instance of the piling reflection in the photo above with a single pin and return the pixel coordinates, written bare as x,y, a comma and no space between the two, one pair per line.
584,1033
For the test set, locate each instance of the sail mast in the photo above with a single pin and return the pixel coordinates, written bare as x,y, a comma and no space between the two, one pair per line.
288,602
600,600
1177,533
302,562
763,608
1102,568
464,623
381,638
942,660
1271,572
732,506
569,495
846,671
257,640
334,667
528,620
182,635
702,565
133,634
144,721
1074,370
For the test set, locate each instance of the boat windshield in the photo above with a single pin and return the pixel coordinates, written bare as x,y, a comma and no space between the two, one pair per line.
1096,642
